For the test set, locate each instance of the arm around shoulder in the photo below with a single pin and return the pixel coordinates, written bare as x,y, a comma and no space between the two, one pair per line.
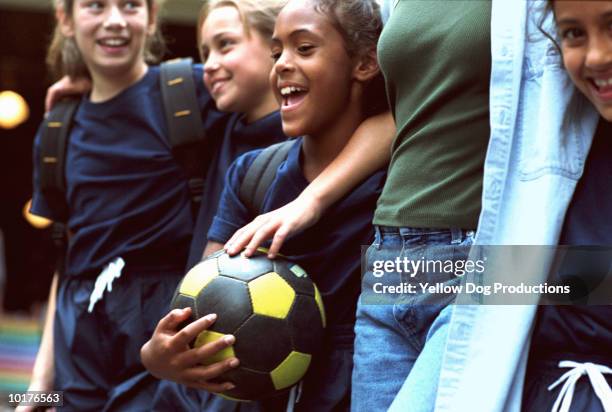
367,151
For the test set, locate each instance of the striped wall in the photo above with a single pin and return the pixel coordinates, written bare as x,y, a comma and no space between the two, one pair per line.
19,340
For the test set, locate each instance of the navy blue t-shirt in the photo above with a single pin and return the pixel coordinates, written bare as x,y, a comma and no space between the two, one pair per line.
240,137
585,331
125,191
330,250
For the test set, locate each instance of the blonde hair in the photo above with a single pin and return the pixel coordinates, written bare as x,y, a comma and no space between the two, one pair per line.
64,56
258,15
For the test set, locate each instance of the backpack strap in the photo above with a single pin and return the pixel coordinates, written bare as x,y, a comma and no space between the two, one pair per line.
182,117
186,137
53,142
261,173
186,134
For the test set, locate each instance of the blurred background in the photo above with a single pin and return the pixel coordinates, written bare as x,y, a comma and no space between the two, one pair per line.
27,253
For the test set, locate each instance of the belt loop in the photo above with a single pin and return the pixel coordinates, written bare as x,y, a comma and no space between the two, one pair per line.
456,236
404,232
377,237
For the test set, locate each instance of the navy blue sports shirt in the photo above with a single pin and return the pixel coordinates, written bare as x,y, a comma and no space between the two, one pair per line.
240,137
584,331
126,193
329,251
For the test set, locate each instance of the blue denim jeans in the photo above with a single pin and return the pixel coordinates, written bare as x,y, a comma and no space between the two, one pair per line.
401,332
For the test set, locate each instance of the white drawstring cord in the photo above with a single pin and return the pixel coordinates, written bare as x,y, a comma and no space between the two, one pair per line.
294,396
291,401
598,382
104,280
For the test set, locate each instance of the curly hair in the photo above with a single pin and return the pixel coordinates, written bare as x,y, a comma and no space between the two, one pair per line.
358,21
360,24
547,9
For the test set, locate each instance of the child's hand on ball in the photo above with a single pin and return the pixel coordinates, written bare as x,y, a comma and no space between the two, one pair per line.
277,225
167,355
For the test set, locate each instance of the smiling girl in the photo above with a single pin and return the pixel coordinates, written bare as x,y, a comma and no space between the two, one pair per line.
129,217
585,28
571,341
234,40
326,79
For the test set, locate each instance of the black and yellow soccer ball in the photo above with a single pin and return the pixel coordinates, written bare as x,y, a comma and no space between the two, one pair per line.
272,308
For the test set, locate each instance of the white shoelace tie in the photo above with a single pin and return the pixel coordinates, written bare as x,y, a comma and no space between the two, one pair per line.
104,280
595,373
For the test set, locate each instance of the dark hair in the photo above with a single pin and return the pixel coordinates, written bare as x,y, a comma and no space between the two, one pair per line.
547,9
64,57
358,21
360,24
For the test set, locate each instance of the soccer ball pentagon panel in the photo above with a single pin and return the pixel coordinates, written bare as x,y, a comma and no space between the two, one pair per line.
272,308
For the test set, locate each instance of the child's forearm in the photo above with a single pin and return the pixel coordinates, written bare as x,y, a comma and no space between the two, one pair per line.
42,374
368,150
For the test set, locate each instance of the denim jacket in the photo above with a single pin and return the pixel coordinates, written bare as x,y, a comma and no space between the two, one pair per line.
541,131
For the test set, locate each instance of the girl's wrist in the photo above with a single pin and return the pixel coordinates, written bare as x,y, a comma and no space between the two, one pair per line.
42,374
314,199
42,382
